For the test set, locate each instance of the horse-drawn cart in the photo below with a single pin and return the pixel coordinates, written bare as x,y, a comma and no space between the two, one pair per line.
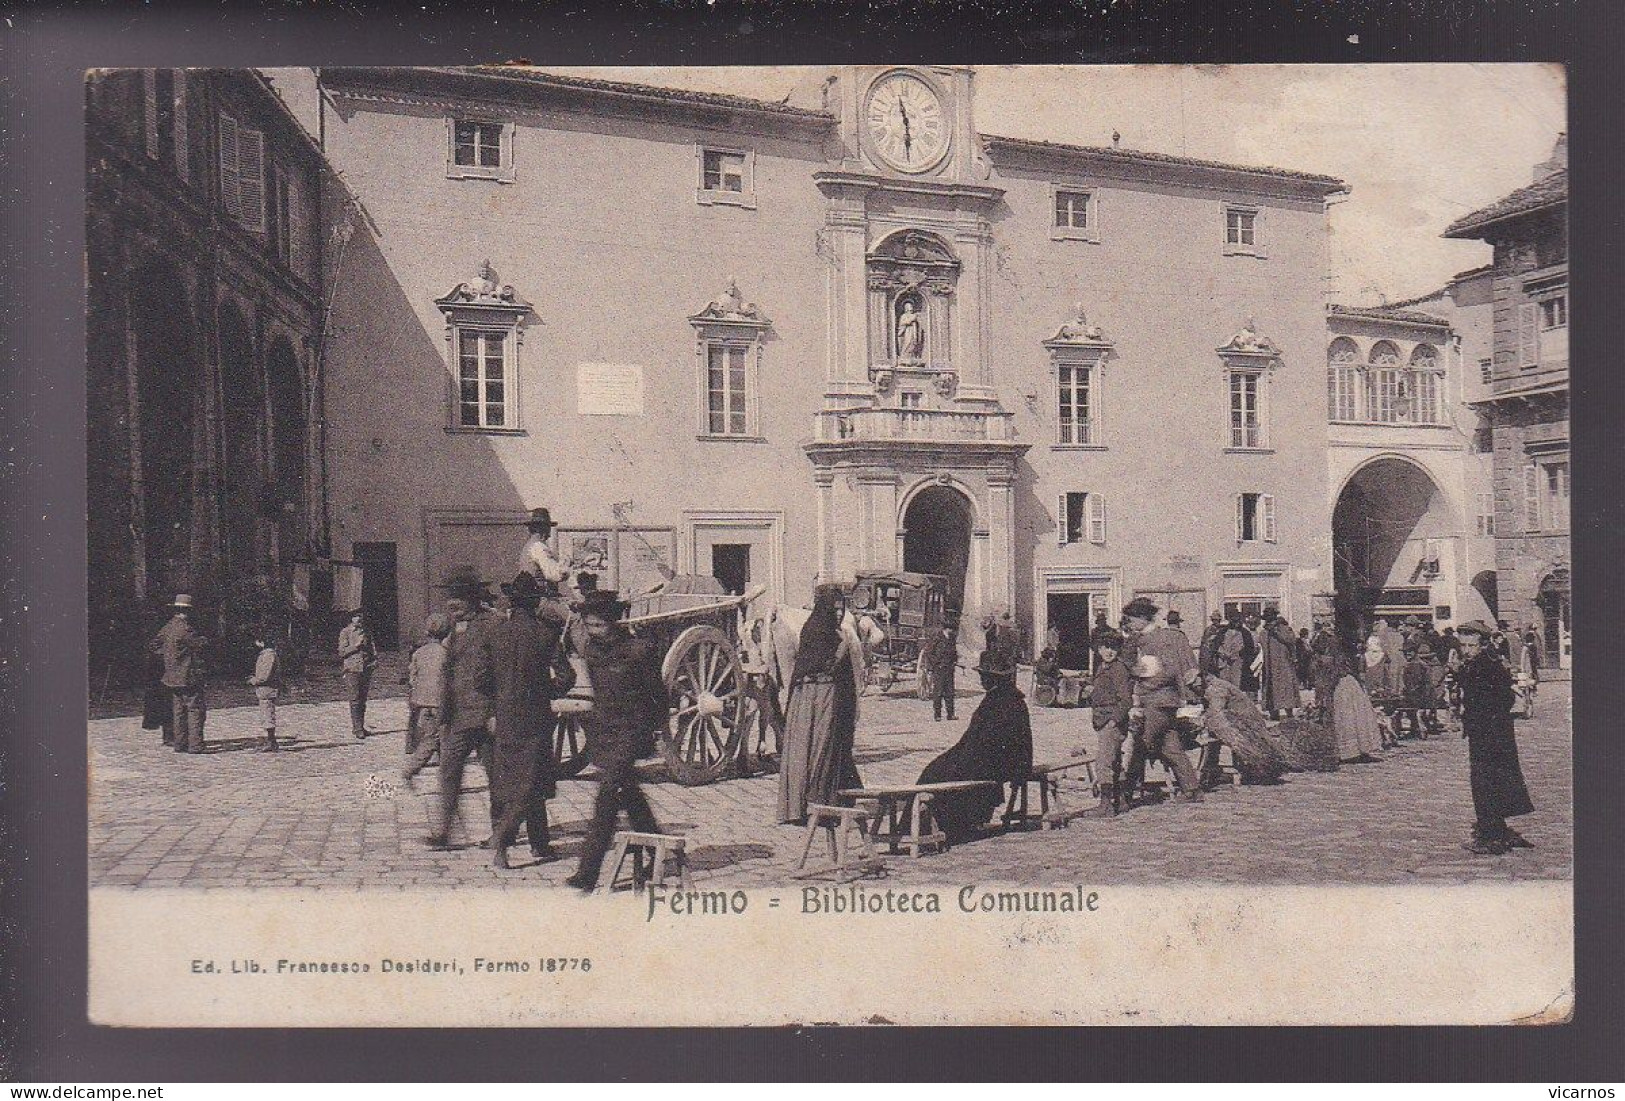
695,624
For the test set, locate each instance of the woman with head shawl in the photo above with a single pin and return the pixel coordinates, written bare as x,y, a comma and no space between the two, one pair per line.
821,718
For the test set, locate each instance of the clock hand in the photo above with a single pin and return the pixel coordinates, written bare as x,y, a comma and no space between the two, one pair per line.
908,138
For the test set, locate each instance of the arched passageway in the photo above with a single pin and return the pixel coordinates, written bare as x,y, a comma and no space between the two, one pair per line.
1388,518
936,539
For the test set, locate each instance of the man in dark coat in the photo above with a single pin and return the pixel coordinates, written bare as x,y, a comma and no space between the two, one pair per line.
1328,661
1499,791
1208,662
180,648
938,658
628,705
1280,666
467,710
526,671
998,745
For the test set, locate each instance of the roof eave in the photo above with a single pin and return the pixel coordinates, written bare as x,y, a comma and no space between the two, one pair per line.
1470,229
1242,177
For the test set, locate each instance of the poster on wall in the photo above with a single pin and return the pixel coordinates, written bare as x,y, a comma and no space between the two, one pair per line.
630,560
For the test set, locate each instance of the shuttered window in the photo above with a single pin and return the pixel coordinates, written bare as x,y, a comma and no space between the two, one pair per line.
1080,516
242,173
1255,518
1529,335
1531,497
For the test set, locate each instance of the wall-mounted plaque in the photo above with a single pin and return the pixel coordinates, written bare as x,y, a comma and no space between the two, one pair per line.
609,389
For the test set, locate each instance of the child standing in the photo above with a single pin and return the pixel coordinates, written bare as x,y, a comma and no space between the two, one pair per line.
426,682
1110,696
267,683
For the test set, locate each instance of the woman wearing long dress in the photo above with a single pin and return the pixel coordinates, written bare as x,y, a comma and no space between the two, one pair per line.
821,719
1354,722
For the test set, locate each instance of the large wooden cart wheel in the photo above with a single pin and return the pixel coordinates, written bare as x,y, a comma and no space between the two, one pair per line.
569,736
707,688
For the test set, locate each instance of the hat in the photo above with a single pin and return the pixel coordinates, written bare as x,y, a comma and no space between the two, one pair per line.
539,517
1412,621
1501,624
1476,627
1216,616
1140,608
603,604
997,663
462,583
523,590
1271,612
1174,619
182,600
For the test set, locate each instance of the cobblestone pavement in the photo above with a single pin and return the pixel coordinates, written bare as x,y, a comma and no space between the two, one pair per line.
328,812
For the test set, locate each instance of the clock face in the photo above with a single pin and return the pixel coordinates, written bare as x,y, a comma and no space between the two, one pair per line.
906,124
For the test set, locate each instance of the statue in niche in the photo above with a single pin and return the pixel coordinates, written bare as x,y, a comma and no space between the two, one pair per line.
910,334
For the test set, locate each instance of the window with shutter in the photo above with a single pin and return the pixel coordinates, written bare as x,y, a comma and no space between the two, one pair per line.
1267,501
1528,335
1097,518
1241,517
1063,522
230,200
1531,497
251,178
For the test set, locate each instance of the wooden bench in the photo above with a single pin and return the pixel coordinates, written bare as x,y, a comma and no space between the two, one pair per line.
653,848
1052,813
903,814
839,824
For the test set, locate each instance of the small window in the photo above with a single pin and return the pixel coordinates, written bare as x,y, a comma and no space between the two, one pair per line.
482,378
1246,410
726,178
1075,215
479,149
1486,371
1080,516
1554,313
727,390
1255,518
1486,514
1241,231
242,173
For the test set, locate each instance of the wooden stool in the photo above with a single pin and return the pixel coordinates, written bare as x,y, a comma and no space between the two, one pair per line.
655,847
838,824
1052,812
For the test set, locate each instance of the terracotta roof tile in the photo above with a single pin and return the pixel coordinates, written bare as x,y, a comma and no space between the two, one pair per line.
1388,313
675,95
1548,191
1130,156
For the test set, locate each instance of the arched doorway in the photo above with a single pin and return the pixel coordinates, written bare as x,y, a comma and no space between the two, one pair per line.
1553,601
1389,520
169,378
287,393
936,537
1485,585
243,409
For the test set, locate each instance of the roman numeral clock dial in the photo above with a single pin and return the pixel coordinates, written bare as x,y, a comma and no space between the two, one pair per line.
905,122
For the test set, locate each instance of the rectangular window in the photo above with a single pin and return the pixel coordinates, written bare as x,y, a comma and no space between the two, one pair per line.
1240,227
1554,503
1554,329
1385,397
1080,516
1554,313
1486,514
1486,371
477,144
1528,335
724,172
279,220
1255,518
481,379
242,174
725,177
1072,383
1072,210
1342,393
1427,407
725,390
1246,421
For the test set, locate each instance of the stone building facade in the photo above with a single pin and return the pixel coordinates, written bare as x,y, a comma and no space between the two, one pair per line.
779,342
1412,513
1528,402
203,259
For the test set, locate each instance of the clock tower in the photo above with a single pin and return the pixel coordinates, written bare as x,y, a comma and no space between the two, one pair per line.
914,456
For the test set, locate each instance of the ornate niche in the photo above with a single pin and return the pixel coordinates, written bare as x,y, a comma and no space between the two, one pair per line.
912,276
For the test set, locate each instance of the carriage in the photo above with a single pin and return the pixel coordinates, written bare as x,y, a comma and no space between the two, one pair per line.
695,624
909,607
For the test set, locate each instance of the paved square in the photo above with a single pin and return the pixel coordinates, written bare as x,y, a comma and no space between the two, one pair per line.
327,812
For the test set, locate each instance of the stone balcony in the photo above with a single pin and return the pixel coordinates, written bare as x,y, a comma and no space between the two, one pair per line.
914,426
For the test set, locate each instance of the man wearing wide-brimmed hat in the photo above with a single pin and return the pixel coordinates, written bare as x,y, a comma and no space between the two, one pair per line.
538,558
528,671
181,649
468,700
